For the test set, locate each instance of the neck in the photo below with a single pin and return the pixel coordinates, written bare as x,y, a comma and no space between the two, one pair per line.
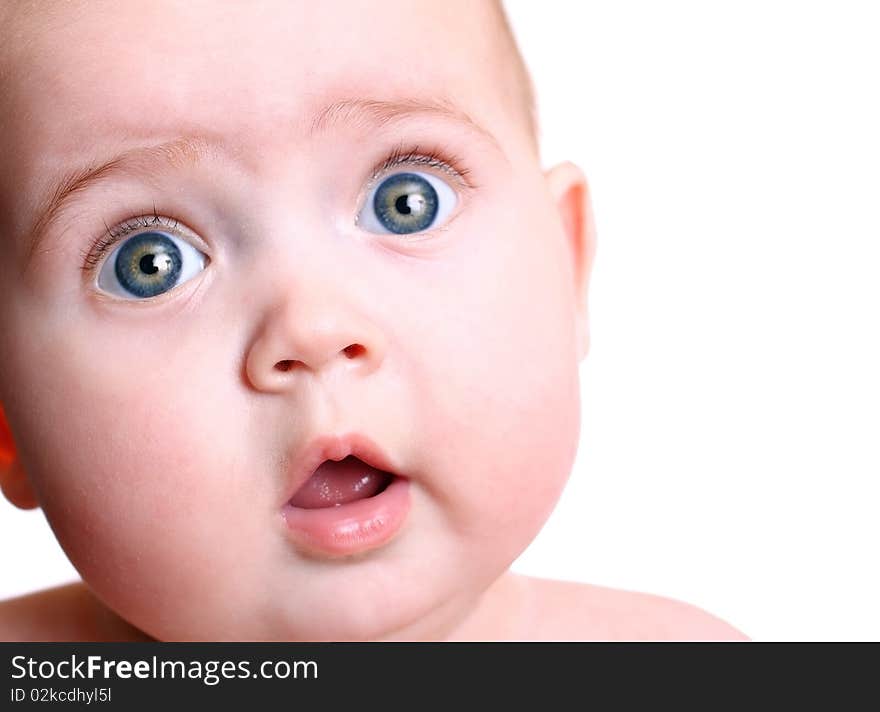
494,614
497,613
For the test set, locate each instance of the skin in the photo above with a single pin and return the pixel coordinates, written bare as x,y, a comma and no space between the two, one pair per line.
154,435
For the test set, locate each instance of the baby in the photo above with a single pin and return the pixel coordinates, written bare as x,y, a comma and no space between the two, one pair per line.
290,325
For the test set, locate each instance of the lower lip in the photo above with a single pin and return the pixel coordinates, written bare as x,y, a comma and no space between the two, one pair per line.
350,528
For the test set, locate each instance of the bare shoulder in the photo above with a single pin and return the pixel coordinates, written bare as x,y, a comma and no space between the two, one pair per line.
64,613
567,610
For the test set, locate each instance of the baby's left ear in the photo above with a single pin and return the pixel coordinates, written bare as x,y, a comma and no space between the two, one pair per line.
13,480
15,485
571,195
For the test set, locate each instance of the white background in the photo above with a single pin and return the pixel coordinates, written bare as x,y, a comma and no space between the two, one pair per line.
729,453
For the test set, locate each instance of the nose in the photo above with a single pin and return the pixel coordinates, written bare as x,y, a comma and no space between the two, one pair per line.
313,336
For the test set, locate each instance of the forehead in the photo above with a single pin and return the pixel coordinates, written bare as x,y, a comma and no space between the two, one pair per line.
291,42
84,75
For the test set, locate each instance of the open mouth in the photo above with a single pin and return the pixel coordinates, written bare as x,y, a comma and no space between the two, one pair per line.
344,504
335,483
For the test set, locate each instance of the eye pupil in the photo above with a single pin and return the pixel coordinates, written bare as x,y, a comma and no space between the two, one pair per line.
412,203
146,264
150,264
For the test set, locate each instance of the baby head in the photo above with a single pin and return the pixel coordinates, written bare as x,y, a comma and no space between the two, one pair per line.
291,315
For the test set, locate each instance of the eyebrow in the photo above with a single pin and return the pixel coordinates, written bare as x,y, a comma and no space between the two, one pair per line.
147,161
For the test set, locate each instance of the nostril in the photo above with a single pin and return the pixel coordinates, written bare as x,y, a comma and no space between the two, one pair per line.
352,351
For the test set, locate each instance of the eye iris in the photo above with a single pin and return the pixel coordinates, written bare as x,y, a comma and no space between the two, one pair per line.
406,202
148,264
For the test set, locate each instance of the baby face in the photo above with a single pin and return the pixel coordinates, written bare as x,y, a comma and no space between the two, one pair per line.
327,235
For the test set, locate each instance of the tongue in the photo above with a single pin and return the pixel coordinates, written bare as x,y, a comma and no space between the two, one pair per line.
335,483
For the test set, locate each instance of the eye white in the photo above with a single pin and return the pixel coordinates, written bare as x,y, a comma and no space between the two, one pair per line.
446,201
193,262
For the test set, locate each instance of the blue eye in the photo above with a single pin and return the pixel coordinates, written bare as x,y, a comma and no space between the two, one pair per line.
406,203
149,264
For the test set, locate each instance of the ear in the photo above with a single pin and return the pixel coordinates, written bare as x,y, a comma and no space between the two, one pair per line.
571,196
13,481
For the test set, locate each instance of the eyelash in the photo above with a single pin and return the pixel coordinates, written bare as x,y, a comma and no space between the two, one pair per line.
435,158
92,256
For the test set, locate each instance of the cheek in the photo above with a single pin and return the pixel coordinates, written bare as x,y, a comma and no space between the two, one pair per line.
499,385
137,474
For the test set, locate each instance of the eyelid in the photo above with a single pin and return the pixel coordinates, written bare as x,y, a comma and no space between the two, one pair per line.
435,158
97,251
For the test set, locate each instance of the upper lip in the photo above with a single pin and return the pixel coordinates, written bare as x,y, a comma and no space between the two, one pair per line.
335,447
